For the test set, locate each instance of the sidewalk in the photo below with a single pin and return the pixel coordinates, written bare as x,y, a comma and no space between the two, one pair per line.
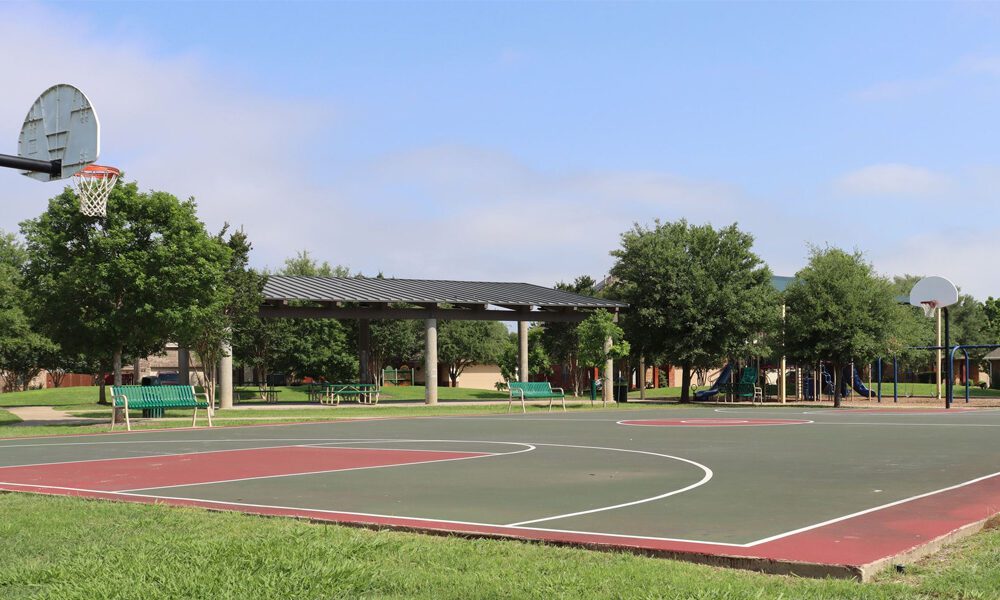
46,415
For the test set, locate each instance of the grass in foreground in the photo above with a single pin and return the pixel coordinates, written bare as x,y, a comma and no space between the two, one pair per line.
70,548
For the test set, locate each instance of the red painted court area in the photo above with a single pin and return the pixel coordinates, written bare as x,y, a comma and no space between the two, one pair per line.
122,474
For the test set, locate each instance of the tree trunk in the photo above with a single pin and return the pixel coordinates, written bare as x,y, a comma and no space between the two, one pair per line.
836,384
642,377
685,383
116,360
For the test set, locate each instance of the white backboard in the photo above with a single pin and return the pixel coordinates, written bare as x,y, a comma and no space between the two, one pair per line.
934,289
61,125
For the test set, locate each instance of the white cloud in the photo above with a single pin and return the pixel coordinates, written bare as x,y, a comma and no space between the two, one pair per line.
466,213
893,179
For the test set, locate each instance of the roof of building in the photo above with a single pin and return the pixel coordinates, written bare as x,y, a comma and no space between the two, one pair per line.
993,355
281,288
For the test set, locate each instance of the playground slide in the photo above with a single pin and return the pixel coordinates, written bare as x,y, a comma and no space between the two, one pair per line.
859,385
721,379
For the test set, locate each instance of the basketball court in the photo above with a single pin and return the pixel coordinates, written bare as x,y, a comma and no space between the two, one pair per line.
814,492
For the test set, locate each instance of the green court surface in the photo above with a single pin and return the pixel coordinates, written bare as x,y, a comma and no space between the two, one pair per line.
792,490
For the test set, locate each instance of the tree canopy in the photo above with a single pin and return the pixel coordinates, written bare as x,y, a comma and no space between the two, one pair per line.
697,295
465,343
124,284
839,309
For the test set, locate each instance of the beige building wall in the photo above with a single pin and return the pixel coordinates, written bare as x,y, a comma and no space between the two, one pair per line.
475,377
480,377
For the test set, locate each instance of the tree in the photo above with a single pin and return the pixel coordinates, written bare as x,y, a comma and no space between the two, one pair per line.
840,310
594,333
538,358
560,339
393,341
124,284
23,351
232,307
465,343
318,348
699,295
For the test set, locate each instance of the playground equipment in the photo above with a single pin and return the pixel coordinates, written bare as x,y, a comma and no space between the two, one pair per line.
721,380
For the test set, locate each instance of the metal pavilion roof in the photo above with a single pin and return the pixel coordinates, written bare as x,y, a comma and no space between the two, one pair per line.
366,290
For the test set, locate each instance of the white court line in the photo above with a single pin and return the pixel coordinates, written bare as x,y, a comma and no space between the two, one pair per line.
211,441
321,472
705,479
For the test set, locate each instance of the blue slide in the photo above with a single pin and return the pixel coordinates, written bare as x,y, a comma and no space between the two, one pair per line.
723,378
859,385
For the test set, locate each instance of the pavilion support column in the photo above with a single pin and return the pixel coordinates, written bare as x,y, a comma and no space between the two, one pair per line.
782,381
137,371
430,361
183,366
226,376
364,350
522,350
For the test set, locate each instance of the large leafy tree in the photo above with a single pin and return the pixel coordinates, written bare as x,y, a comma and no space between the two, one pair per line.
465,343
233,307
23,351
840,310
538,358
593,336
560,340
698,295
393,342
125,284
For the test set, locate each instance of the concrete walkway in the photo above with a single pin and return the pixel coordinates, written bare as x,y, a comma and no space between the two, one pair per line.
46,415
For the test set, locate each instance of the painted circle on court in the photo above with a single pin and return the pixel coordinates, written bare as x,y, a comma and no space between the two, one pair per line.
712,422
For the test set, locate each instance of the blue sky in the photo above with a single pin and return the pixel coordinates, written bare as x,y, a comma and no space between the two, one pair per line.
515,141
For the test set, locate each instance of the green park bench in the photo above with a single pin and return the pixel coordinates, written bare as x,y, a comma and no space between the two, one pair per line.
534,390
154,399
365,393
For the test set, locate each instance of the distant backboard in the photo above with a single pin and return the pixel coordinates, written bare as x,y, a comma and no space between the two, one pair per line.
933,292
61,125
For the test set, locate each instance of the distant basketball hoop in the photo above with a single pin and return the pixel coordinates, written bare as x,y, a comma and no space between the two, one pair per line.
93,185
929,307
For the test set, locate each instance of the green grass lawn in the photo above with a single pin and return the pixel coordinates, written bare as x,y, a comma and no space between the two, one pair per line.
56,397
65,548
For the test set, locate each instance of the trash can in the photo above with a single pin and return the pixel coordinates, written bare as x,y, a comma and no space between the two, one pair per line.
593,390
621,391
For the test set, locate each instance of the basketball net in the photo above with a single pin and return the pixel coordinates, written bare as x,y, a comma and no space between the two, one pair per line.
929,307
93,185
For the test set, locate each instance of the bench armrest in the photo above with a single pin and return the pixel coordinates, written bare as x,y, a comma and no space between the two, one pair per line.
561,391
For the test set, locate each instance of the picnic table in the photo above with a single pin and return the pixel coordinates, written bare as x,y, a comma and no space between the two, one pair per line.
265,393
363,393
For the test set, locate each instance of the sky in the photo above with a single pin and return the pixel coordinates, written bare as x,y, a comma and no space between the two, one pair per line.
509,141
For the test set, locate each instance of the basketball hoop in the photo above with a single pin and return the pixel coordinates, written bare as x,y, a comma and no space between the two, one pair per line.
929,307
93,184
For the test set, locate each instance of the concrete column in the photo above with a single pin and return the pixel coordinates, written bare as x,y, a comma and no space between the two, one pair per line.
183,366
364,350
522,350
430,361
226,377
137,372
